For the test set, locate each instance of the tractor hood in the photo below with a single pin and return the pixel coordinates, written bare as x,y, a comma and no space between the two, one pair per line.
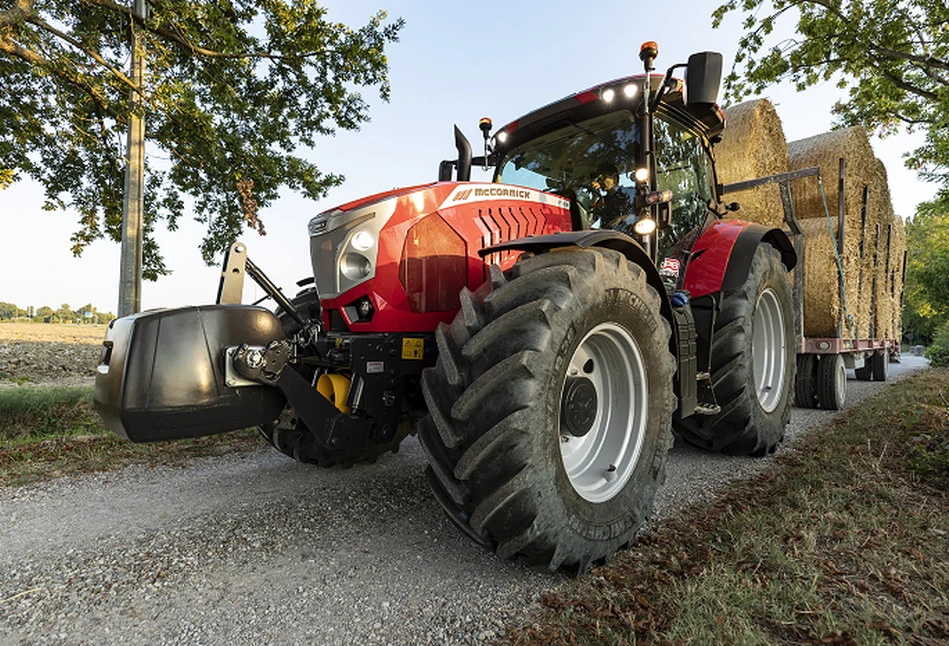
393,247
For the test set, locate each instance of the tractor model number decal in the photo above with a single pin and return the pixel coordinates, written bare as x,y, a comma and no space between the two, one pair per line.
413,349
670,268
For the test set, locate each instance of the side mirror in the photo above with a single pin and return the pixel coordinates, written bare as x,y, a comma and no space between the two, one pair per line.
703,77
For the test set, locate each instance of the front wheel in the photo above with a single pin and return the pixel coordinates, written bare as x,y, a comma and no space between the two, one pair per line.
550,407
753,365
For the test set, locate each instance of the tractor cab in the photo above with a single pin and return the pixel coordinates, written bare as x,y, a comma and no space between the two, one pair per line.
632,155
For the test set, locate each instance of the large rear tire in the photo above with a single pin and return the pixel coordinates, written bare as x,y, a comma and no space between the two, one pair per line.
550,407
289,435
753,365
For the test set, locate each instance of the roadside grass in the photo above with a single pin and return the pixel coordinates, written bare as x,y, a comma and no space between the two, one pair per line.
52,432
844,541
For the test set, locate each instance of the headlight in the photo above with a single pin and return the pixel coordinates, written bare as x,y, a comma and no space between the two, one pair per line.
355,266
362,241
644,226
344,245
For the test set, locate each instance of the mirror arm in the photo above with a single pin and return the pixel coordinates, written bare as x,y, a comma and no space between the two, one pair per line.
665,85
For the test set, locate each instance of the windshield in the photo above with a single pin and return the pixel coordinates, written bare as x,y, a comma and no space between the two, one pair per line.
590,162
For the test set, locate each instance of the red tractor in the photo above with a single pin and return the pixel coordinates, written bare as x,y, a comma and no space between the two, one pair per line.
544,333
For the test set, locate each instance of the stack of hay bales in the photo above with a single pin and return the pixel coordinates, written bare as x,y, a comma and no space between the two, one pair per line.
753,146
883,248
821,296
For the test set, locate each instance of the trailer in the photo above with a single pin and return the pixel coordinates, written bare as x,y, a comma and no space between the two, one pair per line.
822,362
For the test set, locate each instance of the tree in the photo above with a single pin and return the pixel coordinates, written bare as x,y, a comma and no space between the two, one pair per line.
232,89
65,313
891,57
9,311
926,306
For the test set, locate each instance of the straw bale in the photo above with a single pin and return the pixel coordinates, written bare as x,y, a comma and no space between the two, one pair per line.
884,217
821,301
821,295
753,146
882,315
825,150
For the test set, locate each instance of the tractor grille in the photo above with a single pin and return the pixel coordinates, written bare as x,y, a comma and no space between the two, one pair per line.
504,224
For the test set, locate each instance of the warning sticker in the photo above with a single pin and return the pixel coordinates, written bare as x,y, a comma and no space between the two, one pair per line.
413,349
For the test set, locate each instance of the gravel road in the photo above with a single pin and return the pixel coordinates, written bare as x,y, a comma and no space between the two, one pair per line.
256,549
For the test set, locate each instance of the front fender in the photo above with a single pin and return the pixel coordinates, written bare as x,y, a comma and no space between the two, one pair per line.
721,257
606,238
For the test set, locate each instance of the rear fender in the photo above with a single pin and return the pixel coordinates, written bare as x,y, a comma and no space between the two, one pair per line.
721,257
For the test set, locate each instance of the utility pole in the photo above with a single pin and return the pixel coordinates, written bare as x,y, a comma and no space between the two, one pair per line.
130,270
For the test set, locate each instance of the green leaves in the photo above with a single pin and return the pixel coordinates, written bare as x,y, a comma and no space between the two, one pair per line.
890,58
232,90
926,306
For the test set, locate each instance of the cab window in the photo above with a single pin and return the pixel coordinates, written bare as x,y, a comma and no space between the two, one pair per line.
683,167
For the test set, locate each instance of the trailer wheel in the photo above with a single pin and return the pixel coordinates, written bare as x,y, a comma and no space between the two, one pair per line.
805,383
831,382
864,373
549,409
289,435
753,365
880,363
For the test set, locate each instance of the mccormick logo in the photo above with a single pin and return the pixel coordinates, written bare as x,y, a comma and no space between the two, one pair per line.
492,192
670,267
502,192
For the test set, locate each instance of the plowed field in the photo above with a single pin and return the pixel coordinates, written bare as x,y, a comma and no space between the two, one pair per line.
48,354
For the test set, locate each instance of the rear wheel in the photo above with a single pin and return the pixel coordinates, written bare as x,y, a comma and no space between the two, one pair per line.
880,363
753,365
549,409
805,383
864,373
832,382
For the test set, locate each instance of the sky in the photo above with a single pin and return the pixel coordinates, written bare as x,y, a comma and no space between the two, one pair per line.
453,65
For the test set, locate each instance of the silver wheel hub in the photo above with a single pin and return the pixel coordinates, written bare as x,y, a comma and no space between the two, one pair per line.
604,411
840,376
769,350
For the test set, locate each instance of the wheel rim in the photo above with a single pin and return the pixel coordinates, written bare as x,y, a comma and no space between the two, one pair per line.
600,462
840,375
769,350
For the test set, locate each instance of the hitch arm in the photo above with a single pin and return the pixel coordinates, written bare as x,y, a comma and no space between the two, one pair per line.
231,287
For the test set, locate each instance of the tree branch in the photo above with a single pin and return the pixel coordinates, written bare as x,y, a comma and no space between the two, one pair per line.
42,24
17,14
31,57
176,37
912,89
